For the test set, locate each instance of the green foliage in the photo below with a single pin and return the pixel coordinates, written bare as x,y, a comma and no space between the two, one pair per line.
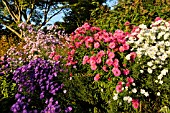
134,12
7,94
83,94
79,12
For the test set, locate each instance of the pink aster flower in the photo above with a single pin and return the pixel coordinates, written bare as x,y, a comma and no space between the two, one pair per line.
87,44
85,59
116,71
90,39
56,57
111,55
105,68
120,83
158,18
98,60
130,79
100,53
86,26
121,49
127,23
126,46
109,62
72,51
132,56
93,60
97,77
96,45
126,71
52,54
77,44
116,63
135,103
93,67
112,45
119,88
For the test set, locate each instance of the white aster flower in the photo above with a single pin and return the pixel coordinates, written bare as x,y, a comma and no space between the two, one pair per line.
115,97
160,34
167,43
160,76
142,91
146,94
154,67
133,84
125,98
158,94
128,57
164,71
150,70
129,99
142,26
141,71
161,82
134,90
64,91
166,36
163,57
156,81
150,63
102,90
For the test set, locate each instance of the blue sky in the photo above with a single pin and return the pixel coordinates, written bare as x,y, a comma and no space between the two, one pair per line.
58,17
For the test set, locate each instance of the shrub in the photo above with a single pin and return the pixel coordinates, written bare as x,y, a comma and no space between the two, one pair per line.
101,55
151,70
37,86
134,12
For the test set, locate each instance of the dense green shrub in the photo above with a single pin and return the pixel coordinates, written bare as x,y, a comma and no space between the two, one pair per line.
134,12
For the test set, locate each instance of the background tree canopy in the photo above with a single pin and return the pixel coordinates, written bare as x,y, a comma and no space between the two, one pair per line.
39,12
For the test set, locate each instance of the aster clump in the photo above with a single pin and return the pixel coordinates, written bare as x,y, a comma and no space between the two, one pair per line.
37,84
151,71
101,55
38,43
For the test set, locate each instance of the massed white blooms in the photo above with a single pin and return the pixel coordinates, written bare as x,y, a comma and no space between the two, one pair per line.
153,43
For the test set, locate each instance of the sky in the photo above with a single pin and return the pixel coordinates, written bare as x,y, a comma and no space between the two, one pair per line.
58,17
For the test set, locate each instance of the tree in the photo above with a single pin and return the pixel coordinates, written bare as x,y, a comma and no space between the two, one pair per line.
38,12
78,12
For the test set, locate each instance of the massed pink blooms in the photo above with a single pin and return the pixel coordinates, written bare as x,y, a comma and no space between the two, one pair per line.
97,77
